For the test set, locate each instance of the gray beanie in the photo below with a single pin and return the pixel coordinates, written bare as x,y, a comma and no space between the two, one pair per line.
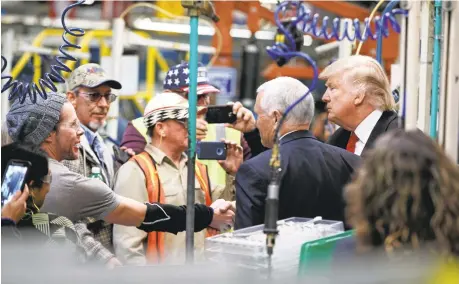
31,123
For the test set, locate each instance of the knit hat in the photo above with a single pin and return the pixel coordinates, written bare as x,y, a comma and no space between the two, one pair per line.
31,123
166,106
178,79
91,75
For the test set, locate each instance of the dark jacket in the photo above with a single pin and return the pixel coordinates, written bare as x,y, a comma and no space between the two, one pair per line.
387,122
313,177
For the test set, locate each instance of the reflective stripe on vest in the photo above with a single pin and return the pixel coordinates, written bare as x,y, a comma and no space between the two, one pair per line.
155,240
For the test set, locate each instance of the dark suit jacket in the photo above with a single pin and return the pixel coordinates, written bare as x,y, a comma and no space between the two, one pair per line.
313,177
387,122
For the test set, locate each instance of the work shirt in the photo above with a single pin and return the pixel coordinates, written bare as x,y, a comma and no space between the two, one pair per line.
130,242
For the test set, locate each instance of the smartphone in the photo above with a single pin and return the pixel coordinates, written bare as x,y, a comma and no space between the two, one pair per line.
120,156
211,150
14,179
220,114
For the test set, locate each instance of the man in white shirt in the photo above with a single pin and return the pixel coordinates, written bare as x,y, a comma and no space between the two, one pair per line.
359,100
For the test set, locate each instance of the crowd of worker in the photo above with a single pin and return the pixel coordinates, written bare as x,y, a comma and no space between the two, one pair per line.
395,188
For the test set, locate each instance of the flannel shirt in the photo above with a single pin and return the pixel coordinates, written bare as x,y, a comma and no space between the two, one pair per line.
95,235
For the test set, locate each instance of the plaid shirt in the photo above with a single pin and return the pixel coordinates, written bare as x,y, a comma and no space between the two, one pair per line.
95,235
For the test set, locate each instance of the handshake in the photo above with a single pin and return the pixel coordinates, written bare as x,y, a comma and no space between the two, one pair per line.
224,212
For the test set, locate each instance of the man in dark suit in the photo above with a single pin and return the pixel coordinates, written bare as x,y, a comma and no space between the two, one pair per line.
313,173
359,100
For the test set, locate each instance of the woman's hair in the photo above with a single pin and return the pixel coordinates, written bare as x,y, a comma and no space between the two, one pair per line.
405,195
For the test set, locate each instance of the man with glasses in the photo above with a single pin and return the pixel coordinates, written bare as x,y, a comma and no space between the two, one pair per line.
90,93
51,126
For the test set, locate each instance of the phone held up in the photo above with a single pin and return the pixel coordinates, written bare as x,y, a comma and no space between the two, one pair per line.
220,114
211,150
14,179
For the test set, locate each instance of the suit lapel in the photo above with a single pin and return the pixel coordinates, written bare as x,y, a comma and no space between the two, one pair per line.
381,126
87,148
340,138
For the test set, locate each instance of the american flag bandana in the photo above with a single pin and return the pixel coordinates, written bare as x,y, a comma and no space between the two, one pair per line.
178,77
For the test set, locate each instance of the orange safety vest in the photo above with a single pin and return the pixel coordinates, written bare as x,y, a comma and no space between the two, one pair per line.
155,240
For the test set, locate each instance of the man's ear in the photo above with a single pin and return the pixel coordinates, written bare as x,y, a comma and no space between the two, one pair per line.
277,115
50,137
359,97
71,97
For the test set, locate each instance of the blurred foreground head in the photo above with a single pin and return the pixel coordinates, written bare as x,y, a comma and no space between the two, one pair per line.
406,196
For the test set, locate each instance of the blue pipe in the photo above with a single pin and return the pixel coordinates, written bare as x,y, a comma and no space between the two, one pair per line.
436,70
385,14
192,96
192,113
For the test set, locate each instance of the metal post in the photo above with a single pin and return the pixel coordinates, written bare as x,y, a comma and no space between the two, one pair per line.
117,54
402,64
425,70
452,100
443,80
192,110
412,66
436,70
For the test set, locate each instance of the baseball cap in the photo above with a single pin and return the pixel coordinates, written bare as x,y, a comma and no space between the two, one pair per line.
178,78
166,106
91,75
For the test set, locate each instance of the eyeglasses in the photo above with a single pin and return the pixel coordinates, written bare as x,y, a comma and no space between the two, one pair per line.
95,97
183,122
47,179
74,125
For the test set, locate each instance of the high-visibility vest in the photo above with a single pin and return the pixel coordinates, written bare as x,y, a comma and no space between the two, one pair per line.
216,173
155,240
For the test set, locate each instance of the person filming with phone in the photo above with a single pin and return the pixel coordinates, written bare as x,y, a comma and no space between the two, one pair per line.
51,126
159,174
209,127
29,192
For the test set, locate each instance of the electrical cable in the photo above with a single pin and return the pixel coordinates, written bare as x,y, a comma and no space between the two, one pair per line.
21,90
308,22
372,14
388,8
170,15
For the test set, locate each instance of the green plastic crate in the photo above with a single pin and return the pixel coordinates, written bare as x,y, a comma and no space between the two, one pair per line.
319,253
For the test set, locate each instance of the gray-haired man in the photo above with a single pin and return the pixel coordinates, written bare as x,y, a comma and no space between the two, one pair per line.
52,126
89,90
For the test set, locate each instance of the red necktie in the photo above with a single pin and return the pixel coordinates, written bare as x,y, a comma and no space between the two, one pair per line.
351,142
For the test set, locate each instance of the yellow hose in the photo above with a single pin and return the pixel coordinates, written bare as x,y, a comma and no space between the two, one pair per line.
367,27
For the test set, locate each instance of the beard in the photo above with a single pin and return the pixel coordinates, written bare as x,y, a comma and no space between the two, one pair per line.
95,125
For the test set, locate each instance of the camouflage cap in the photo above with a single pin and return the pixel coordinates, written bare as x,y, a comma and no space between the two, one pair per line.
91,76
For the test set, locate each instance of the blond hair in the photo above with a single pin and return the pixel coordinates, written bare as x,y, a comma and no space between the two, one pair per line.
365,75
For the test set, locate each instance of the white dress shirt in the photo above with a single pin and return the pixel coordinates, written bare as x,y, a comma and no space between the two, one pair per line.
364,130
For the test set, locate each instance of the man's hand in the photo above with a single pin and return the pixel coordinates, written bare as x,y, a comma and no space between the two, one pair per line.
223,214
201,129
245,121
128,151
15,209
234,157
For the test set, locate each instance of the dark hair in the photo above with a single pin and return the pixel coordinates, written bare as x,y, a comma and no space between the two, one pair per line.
39,162
151,131
406,194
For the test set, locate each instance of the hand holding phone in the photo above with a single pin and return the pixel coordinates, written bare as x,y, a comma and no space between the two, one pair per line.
211,150
121,155
14,179
220,114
